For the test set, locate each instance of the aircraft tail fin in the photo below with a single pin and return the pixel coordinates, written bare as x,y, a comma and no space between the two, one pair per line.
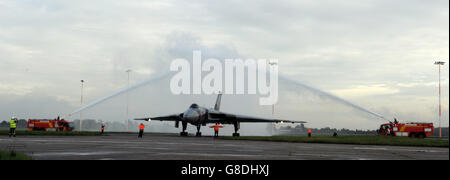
219,99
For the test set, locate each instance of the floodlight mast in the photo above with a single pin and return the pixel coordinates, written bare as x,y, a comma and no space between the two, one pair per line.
81,113
272,65
128,98
439,63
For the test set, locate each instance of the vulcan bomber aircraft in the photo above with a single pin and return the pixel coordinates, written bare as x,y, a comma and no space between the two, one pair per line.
200,116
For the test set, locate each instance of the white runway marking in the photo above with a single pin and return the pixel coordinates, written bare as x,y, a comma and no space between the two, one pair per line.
398,149
370,148
77,153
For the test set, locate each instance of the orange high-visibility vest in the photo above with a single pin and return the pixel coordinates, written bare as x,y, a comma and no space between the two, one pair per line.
309,130
216,127
141,127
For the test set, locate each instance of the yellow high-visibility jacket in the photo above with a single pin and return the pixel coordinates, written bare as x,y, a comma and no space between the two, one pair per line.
12,123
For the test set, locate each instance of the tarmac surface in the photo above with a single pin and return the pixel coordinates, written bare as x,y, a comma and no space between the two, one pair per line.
173,147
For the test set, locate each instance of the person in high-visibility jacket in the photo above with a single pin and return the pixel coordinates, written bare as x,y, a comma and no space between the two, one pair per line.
102,128
309,132
12,127
141,130
216,129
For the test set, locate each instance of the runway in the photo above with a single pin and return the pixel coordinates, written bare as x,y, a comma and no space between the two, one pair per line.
173,147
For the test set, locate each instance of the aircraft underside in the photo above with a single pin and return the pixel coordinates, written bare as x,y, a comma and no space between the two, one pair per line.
200,116
199,133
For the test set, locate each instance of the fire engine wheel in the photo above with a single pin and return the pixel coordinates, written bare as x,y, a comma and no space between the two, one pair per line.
412,135
421,136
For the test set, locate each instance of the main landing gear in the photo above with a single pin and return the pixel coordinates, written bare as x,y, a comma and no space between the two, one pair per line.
236,129
237,126
184,133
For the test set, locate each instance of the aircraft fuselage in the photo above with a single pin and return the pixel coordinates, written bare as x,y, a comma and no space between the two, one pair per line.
196,115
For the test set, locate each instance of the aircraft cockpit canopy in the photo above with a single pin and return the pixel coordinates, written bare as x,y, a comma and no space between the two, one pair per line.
194,106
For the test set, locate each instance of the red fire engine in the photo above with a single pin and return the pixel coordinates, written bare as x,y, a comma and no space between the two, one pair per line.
412,129
45,124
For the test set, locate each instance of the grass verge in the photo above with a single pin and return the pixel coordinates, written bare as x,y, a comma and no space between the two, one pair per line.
361,140
12,155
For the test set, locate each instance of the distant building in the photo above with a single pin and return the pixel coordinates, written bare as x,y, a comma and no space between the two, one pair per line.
22,123
444,132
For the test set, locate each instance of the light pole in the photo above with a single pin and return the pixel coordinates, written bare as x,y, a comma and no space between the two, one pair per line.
439,63
272,65
128,98
81,112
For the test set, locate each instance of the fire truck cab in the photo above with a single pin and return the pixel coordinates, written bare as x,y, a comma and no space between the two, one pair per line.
412,129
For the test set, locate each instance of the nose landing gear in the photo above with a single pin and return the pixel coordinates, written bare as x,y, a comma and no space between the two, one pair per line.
184,133
198,134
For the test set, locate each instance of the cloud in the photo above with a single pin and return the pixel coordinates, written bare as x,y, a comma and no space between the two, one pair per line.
37,105
16,89
414,84
364,90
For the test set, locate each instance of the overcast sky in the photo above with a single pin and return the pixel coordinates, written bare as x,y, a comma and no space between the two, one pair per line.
375,53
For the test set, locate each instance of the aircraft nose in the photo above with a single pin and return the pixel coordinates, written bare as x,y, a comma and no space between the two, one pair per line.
191,116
